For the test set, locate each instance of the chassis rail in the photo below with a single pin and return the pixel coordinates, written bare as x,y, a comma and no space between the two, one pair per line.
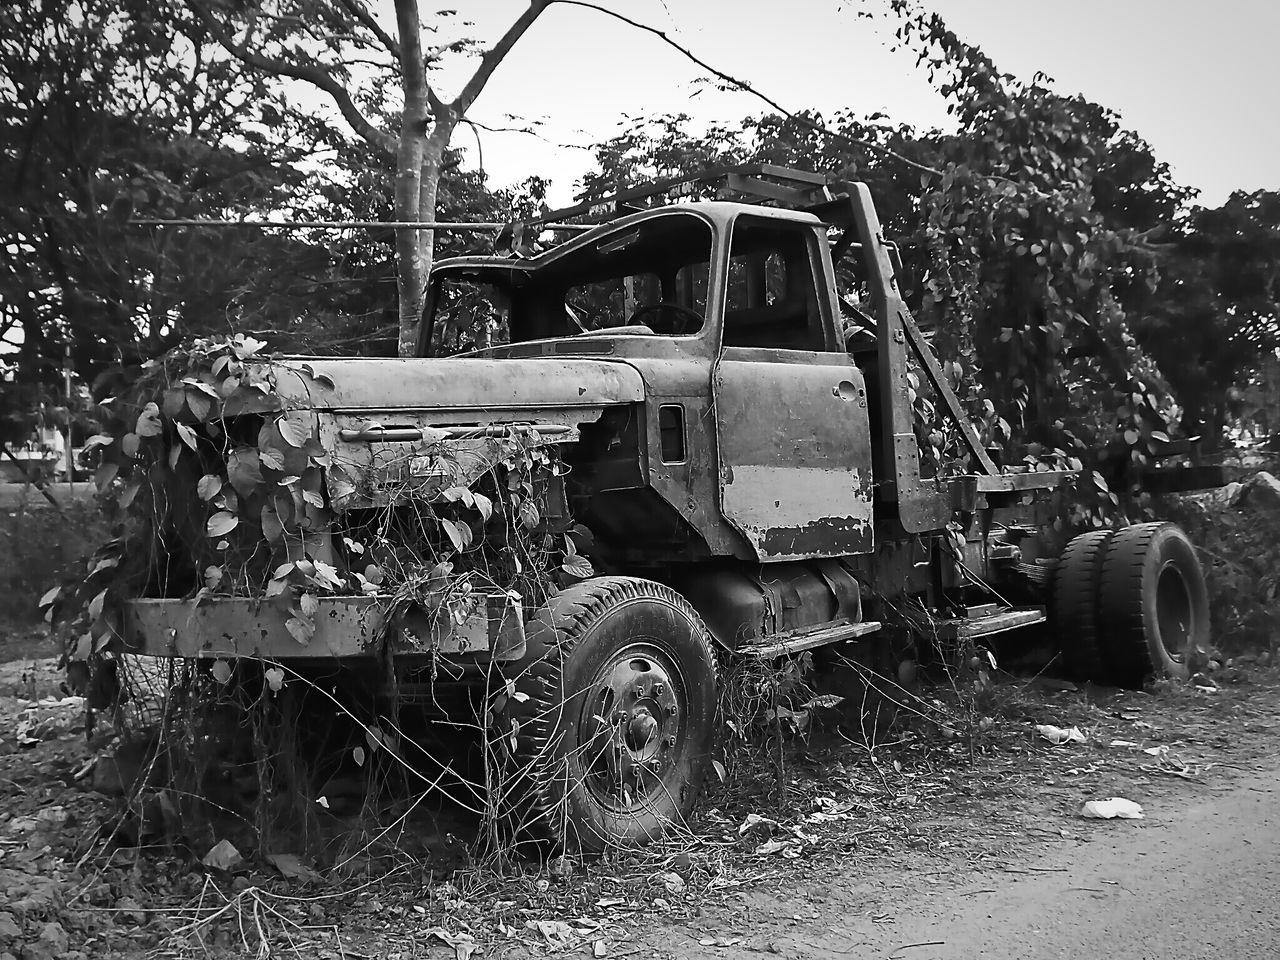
344,627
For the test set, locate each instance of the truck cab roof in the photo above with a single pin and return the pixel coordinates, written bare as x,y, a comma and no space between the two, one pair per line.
715,213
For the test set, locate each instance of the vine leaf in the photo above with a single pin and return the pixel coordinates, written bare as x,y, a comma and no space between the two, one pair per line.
272,528
529,515
209,486
222,523
221,671
103,476
187,434
295,434
200,406
270,457
578,566
129,492
243,470
309,605
301,629
129,444
149,422
459,534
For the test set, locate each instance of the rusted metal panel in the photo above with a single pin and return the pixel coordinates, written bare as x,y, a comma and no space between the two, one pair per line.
795,641
345,627
984,626
490,390
689,485
795,453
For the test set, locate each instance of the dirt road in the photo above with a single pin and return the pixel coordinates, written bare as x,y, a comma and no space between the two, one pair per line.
1196,880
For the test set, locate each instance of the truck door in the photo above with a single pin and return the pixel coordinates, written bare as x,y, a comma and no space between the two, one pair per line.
790,405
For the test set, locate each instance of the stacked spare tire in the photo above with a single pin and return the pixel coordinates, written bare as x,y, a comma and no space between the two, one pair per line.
1130,605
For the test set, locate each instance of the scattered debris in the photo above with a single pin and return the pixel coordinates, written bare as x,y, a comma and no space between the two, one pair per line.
1060,735
754,823
464,944
1112,808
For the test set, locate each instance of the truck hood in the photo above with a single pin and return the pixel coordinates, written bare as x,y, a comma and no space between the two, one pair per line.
506,388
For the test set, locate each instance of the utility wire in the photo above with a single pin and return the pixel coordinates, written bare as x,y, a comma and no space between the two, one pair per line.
435,225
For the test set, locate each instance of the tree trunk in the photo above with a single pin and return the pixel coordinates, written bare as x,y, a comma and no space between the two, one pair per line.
411,270
428,189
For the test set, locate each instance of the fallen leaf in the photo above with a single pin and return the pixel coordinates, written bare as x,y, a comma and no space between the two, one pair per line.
223,856
292,867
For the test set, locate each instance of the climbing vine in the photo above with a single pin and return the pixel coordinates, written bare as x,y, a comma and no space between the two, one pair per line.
224,480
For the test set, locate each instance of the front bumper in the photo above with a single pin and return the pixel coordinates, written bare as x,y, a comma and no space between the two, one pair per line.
344,627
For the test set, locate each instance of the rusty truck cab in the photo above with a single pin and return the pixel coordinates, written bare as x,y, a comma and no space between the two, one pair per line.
752,402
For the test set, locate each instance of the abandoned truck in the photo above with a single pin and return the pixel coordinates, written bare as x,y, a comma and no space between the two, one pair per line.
733,470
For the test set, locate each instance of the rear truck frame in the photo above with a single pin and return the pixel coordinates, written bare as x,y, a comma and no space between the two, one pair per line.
746,473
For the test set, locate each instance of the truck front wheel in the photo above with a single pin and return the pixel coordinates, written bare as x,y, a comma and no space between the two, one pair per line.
606,725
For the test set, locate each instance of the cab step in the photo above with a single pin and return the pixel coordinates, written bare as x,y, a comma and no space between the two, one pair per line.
808,638
982,621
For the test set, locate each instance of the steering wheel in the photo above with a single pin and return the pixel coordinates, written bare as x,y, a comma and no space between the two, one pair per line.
677,311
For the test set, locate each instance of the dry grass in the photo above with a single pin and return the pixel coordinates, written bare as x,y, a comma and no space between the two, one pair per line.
931,792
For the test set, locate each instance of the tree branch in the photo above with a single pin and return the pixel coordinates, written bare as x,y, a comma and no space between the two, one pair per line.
744,86
489,62
316,76
358,10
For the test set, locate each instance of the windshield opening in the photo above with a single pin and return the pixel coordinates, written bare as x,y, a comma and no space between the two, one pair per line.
646,280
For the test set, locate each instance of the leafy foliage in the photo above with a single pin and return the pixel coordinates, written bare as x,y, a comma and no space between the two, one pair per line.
221,486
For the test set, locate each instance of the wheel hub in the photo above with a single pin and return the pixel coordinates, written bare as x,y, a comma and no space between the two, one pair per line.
631,729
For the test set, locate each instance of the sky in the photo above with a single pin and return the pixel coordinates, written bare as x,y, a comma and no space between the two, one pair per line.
1199,80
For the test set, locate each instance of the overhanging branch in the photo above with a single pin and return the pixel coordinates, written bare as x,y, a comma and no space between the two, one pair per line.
308,73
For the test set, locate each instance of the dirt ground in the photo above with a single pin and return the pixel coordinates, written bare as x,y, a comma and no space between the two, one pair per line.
878,850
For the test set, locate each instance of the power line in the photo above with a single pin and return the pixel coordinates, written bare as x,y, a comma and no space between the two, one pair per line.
435,225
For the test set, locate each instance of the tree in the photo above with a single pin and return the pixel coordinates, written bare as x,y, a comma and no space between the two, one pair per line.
328,44
113,110
1213,320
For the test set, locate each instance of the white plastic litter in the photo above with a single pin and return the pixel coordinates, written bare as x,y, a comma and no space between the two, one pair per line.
1060,734
1112,808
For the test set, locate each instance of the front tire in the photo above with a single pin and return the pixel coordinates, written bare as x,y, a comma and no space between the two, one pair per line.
606,724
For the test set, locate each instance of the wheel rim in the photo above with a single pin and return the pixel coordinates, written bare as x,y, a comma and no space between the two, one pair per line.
632,727
1173,611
